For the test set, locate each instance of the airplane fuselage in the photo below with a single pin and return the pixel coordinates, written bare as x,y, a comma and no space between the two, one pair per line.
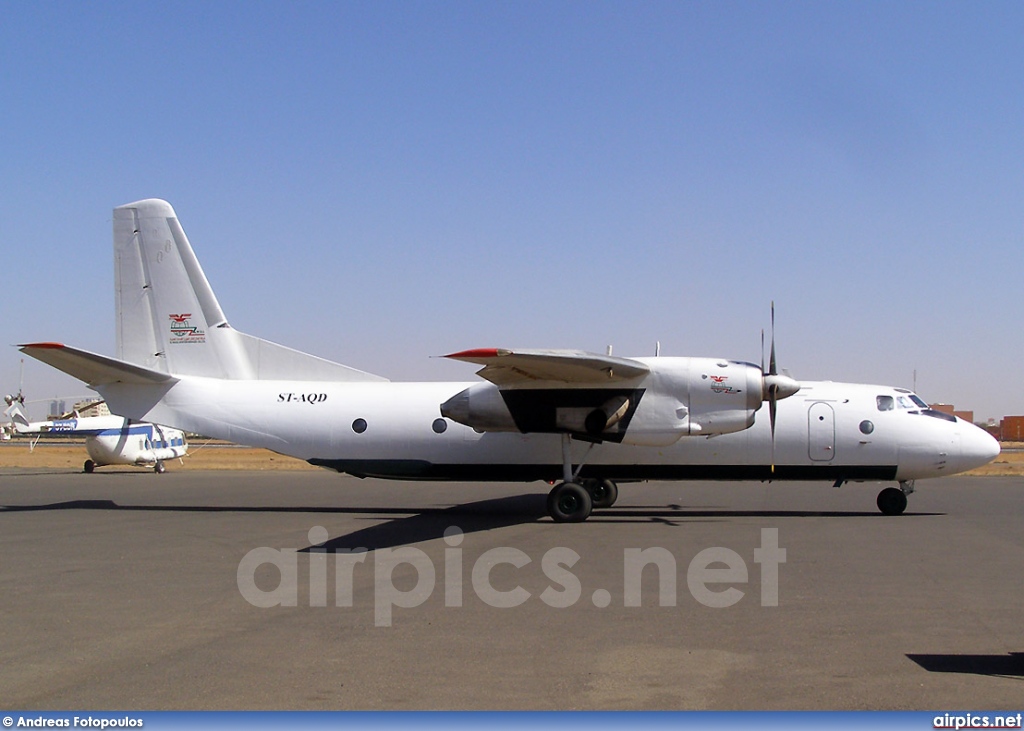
828,431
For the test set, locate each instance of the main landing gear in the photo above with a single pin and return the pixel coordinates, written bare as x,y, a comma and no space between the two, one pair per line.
893,500
573,500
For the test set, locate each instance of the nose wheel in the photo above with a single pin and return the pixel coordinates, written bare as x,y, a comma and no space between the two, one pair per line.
893,500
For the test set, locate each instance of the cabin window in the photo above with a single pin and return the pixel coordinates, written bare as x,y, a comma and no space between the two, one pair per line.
359,426
440,426
866,427
885,403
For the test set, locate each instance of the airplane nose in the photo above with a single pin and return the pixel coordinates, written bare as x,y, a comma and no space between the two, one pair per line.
977,448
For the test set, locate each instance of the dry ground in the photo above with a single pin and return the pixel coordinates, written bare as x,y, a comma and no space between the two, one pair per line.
202,456
221,456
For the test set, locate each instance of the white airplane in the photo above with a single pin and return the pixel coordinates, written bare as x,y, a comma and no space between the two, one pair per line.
587,419
109,440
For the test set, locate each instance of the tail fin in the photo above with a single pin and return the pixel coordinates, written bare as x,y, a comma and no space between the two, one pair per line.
169,320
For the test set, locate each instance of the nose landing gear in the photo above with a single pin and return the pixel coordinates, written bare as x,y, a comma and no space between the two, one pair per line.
893,500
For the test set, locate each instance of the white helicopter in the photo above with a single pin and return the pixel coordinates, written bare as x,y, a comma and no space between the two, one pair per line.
586,419
109,440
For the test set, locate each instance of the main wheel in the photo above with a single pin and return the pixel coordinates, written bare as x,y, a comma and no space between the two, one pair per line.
159,467
89,466
569,502
603,493
892,501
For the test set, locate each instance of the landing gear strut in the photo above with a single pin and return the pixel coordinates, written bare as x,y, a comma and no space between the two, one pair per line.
572,500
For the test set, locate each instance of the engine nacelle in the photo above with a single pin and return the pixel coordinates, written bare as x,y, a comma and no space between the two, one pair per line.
481,407
677,397
695,397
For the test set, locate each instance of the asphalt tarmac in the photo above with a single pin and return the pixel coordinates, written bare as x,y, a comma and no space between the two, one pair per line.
130,590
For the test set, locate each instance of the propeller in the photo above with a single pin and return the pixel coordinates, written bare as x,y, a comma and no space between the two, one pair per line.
774,385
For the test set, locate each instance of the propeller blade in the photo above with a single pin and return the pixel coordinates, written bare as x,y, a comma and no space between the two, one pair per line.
775,386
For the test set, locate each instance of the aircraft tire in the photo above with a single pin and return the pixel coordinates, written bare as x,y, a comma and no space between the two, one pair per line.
892,501
159,468
89,466
569,502
603,493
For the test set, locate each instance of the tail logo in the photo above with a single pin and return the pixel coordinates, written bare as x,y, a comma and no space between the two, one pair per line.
184,332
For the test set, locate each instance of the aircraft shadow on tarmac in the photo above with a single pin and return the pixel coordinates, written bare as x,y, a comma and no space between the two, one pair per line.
1007,666
415,525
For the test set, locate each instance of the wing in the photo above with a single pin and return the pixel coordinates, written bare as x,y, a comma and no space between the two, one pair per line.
590,396
511,367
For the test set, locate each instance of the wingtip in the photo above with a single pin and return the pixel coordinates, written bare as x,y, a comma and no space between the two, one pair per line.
478,353
41,346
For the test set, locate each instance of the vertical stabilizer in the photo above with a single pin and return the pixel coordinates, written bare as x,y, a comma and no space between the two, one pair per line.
169,320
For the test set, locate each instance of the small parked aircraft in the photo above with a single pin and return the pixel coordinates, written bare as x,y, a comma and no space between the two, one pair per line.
586,419
108,439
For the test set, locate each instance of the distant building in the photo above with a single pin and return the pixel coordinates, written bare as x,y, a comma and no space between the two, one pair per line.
92,408
967,416
57,409
1011,429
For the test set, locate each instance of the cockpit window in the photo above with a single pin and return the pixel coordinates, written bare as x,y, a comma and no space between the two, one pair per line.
910,402
937,415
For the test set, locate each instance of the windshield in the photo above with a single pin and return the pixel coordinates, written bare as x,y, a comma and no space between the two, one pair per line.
886,402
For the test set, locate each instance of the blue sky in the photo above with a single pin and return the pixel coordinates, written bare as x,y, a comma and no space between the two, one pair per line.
383,182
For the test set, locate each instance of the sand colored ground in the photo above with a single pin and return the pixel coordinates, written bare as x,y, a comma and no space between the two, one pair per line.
220,456
202,456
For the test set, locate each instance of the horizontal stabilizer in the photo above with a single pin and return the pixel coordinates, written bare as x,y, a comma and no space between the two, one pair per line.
94,369
506,367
